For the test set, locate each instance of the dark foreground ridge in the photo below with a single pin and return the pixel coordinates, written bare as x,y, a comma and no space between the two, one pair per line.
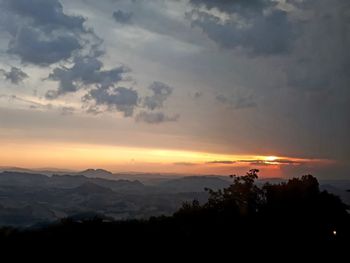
290,215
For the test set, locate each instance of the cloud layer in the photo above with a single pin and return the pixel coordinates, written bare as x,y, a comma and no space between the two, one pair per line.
155,117
41,33
261,76
259,26
14,75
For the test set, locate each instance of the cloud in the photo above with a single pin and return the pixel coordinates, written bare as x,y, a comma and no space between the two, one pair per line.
31,47
122,17
32,104
45,35
86,71
67,110
286,161
121,99
236,102
267,163
41,33
250,6
185,164
258,27
221,162
155,117
15,75
45,13
162,20
260,163
160,94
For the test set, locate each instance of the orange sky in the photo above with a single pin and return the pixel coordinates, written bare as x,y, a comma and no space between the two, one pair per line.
120,159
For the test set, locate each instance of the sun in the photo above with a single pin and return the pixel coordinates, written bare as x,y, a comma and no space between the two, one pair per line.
271,158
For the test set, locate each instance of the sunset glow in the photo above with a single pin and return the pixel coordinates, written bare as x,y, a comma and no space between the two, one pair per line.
271,158
82,156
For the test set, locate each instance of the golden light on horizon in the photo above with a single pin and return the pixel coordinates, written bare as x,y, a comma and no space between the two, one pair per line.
120,158
271,158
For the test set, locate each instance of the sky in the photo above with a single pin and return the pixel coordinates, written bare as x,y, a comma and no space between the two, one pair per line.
178,86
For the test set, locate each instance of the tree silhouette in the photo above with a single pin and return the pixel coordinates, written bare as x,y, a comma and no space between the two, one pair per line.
296,209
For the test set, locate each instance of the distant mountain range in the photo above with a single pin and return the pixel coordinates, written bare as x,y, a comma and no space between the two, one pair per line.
31,198
147,178
45,171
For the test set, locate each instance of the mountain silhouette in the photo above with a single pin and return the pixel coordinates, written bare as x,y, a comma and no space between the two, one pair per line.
96,173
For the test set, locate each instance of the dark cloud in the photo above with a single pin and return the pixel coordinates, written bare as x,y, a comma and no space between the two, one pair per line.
249,161
236,102
41,33
160,94
256,26
286,161
122,17
153,17
260,163
120,99
185,164
32,47
14,75
86,71
155,117
44,13
274,162
221,162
